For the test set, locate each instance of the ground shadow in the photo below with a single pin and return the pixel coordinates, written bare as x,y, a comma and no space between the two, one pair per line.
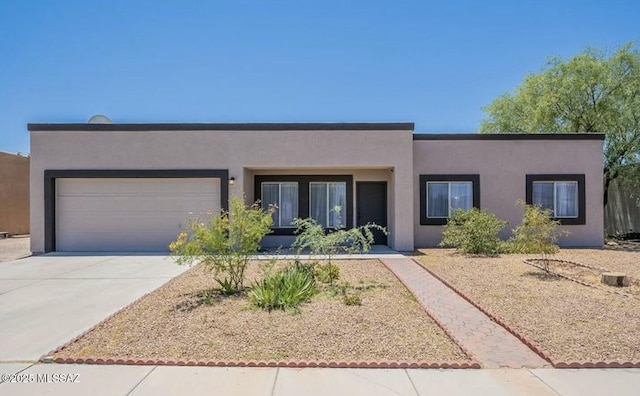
196,299
623,246
541,275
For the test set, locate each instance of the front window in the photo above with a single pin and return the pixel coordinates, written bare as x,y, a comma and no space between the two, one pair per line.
442,194
560,197
562,194
444,197
326,198
327,203
285,197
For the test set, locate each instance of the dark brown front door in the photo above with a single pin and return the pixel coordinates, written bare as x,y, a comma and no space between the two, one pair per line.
371,207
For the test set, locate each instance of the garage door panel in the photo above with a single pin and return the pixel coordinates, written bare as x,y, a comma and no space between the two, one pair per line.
132,206
130,214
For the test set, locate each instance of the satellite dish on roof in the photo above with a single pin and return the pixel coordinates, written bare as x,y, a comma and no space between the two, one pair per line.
99,119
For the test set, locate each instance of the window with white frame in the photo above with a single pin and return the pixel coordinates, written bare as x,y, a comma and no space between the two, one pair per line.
561,197
285,196
443,198
327,203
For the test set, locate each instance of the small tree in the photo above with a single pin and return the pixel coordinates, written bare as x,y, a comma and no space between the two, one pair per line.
538,233
226,243
473,232
312,236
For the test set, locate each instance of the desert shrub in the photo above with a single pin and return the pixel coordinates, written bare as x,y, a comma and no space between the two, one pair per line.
312,236
225,244
538,233
327,273
473,232
284,288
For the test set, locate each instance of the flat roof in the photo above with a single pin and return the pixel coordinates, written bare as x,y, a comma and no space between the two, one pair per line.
508,136
329,126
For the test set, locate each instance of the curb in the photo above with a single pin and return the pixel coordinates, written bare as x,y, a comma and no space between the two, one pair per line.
531,344
266,363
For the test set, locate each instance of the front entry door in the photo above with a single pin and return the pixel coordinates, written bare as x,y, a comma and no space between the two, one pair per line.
371,207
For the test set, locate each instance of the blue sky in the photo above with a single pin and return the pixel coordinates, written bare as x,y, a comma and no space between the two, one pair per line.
436,63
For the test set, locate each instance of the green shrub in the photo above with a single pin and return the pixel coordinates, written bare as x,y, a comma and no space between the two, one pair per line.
226,243
473,232
538,233
327,273
312,236
285,288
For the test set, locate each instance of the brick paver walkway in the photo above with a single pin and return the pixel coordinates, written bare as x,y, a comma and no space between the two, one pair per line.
489,343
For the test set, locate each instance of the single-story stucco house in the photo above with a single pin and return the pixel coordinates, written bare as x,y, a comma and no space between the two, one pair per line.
132,187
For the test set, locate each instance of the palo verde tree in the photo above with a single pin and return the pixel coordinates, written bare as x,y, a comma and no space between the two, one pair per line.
592,92
226,243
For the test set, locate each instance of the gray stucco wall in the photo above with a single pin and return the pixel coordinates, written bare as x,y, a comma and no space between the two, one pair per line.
503,166
368,155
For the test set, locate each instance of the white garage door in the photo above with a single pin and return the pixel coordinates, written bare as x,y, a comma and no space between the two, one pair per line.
129,214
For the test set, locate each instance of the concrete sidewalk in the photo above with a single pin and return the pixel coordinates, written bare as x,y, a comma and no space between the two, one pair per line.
229,381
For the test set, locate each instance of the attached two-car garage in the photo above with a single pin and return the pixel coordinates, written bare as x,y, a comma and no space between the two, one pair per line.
132,213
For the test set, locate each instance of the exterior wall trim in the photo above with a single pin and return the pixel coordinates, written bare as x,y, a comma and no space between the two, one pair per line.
346,126
50,176
508,136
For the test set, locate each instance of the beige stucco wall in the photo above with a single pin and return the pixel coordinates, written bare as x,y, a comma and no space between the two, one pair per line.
503,166
387,154
14,193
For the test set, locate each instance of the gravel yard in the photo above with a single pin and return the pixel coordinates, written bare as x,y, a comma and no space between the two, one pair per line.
14,248
174,322
570,321
614,261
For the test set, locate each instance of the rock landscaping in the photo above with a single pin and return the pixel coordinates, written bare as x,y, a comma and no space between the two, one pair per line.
569,321
185,320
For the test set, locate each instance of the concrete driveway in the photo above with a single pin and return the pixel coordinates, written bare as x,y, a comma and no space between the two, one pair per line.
47,300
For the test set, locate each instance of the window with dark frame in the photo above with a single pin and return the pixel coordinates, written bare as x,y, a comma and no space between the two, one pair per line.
284,195
326,198
562,194
441,194
327,203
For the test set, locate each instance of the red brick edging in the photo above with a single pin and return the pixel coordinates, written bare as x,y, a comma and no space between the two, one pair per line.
444,328
531,344
109,360
270,363
532,263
